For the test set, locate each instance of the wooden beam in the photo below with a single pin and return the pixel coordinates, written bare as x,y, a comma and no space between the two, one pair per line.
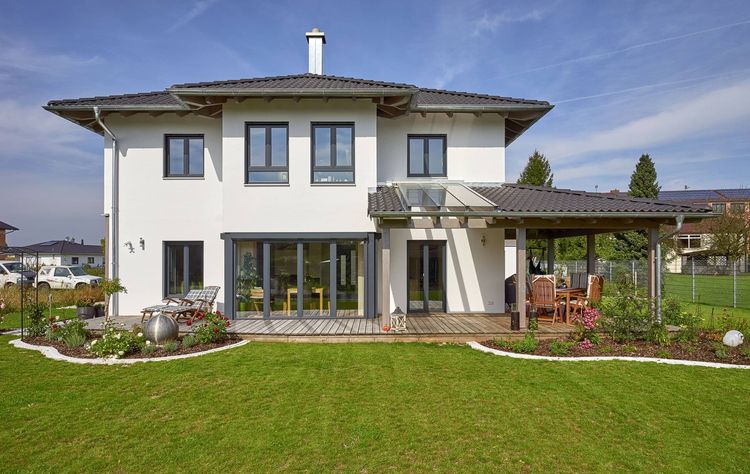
268,98
385,275
521,267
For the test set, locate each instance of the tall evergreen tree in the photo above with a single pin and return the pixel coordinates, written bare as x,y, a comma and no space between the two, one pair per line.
537,172
643,183
633,245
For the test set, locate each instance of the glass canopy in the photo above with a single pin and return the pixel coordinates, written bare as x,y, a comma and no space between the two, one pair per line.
442,197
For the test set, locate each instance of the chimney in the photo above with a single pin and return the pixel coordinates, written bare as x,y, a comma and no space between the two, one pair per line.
315,41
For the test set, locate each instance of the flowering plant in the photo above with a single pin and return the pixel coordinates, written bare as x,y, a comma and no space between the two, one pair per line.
586,344
54,329
115,343
210,327
586,324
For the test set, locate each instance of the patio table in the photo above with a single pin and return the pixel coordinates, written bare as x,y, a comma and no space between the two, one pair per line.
567,294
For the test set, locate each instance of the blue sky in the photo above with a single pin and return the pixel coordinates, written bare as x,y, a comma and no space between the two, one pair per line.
669,78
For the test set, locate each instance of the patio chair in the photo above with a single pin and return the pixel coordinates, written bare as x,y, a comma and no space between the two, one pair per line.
593,294
186,300
202,303
546,298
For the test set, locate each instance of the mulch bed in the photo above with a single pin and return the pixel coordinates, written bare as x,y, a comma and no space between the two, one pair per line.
702,349
82,353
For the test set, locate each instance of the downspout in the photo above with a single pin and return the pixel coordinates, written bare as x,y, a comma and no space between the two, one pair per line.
114,212
678,220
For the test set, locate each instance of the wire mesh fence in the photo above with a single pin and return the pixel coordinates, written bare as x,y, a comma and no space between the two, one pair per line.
709,280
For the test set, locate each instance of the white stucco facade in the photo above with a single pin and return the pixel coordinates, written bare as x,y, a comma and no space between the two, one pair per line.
154,209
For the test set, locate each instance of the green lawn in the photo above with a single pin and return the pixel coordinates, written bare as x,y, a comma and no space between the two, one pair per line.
13,320
369,408
713,290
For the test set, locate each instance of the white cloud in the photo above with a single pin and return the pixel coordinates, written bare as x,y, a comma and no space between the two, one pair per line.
199,8
707,113
490,23
18,56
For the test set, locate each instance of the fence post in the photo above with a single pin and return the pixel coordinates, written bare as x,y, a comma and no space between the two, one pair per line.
610,270
692,277
734,285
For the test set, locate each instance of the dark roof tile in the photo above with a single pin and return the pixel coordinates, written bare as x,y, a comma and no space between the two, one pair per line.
4,226
63,247
296,81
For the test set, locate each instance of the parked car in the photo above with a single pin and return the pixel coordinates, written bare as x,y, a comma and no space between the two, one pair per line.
65,277
15,273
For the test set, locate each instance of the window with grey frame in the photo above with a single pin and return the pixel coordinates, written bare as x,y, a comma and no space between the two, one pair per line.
427,156
267,153
183,267
183,156
332,153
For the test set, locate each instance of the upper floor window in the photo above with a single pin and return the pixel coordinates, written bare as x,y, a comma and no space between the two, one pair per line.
267,156
426,156
183,156
737,208
333,153
719,207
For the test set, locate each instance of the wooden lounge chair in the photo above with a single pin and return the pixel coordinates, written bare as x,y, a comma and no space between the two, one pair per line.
186,300
546,298
203,303
593,294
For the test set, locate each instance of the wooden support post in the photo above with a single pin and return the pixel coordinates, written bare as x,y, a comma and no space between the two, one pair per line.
521,269
653,239
591,254
385,269
550,256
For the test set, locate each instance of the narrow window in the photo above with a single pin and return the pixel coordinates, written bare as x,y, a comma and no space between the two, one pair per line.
183,267
719,208
90,260
737,208
333,153
74,260
183,156
267,156
426,156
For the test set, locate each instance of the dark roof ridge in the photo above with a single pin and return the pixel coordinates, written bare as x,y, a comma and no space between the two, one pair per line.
622,197
296,76
484,96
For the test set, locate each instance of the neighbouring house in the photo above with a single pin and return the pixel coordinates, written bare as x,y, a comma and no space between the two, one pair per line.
4,230
312,195
64,252
694,239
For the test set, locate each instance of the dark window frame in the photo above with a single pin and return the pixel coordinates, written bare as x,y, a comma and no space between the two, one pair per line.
186,155
74,260
186,268
426,155
333,167
719,205
268,147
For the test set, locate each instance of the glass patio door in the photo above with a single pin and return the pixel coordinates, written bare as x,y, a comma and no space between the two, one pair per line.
425,276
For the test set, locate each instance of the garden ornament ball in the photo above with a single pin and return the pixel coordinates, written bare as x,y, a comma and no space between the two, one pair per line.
160,329
733,338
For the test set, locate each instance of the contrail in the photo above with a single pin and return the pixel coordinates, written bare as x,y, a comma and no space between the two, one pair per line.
630,48
648,86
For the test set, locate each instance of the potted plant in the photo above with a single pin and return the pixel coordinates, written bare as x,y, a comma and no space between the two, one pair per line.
85,307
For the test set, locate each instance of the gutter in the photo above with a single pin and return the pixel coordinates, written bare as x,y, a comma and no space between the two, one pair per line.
114,213
543,215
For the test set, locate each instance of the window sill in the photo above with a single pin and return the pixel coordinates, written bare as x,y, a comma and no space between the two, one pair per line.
183,178
266,185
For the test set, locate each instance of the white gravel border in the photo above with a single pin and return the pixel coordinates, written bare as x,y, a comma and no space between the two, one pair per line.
695,363
52,353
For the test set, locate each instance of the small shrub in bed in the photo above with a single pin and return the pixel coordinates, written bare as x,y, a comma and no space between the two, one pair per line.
189,341
658,334
74,339
528,344
210,328
626,317
148,348
37,322
170,346
114,343
560,348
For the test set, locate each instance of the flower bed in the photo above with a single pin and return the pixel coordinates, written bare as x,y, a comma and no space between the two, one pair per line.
706,347
83,353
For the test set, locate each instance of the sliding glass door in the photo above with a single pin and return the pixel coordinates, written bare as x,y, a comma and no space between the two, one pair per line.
425,275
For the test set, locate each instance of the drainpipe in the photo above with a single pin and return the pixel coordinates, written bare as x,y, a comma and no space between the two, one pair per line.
678,220
114,213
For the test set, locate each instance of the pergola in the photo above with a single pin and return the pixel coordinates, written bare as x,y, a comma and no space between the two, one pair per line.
525,212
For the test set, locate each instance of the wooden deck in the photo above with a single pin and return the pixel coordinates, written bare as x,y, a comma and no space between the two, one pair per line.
434,327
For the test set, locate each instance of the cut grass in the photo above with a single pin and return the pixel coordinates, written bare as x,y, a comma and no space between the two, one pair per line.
13,320
368,407
712,290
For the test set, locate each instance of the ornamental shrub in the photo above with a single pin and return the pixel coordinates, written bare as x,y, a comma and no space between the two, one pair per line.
560,348
528,344
115,343
586,324
626,317
37,322
189,341
210,328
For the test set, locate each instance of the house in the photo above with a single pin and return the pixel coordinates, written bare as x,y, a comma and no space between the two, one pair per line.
693,240
65,252
312,195
4,230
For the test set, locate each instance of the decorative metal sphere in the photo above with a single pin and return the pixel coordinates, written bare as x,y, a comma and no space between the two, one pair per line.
733,338
160,329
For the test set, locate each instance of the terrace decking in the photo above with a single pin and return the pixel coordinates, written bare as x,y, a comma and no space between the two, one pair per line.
433,327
